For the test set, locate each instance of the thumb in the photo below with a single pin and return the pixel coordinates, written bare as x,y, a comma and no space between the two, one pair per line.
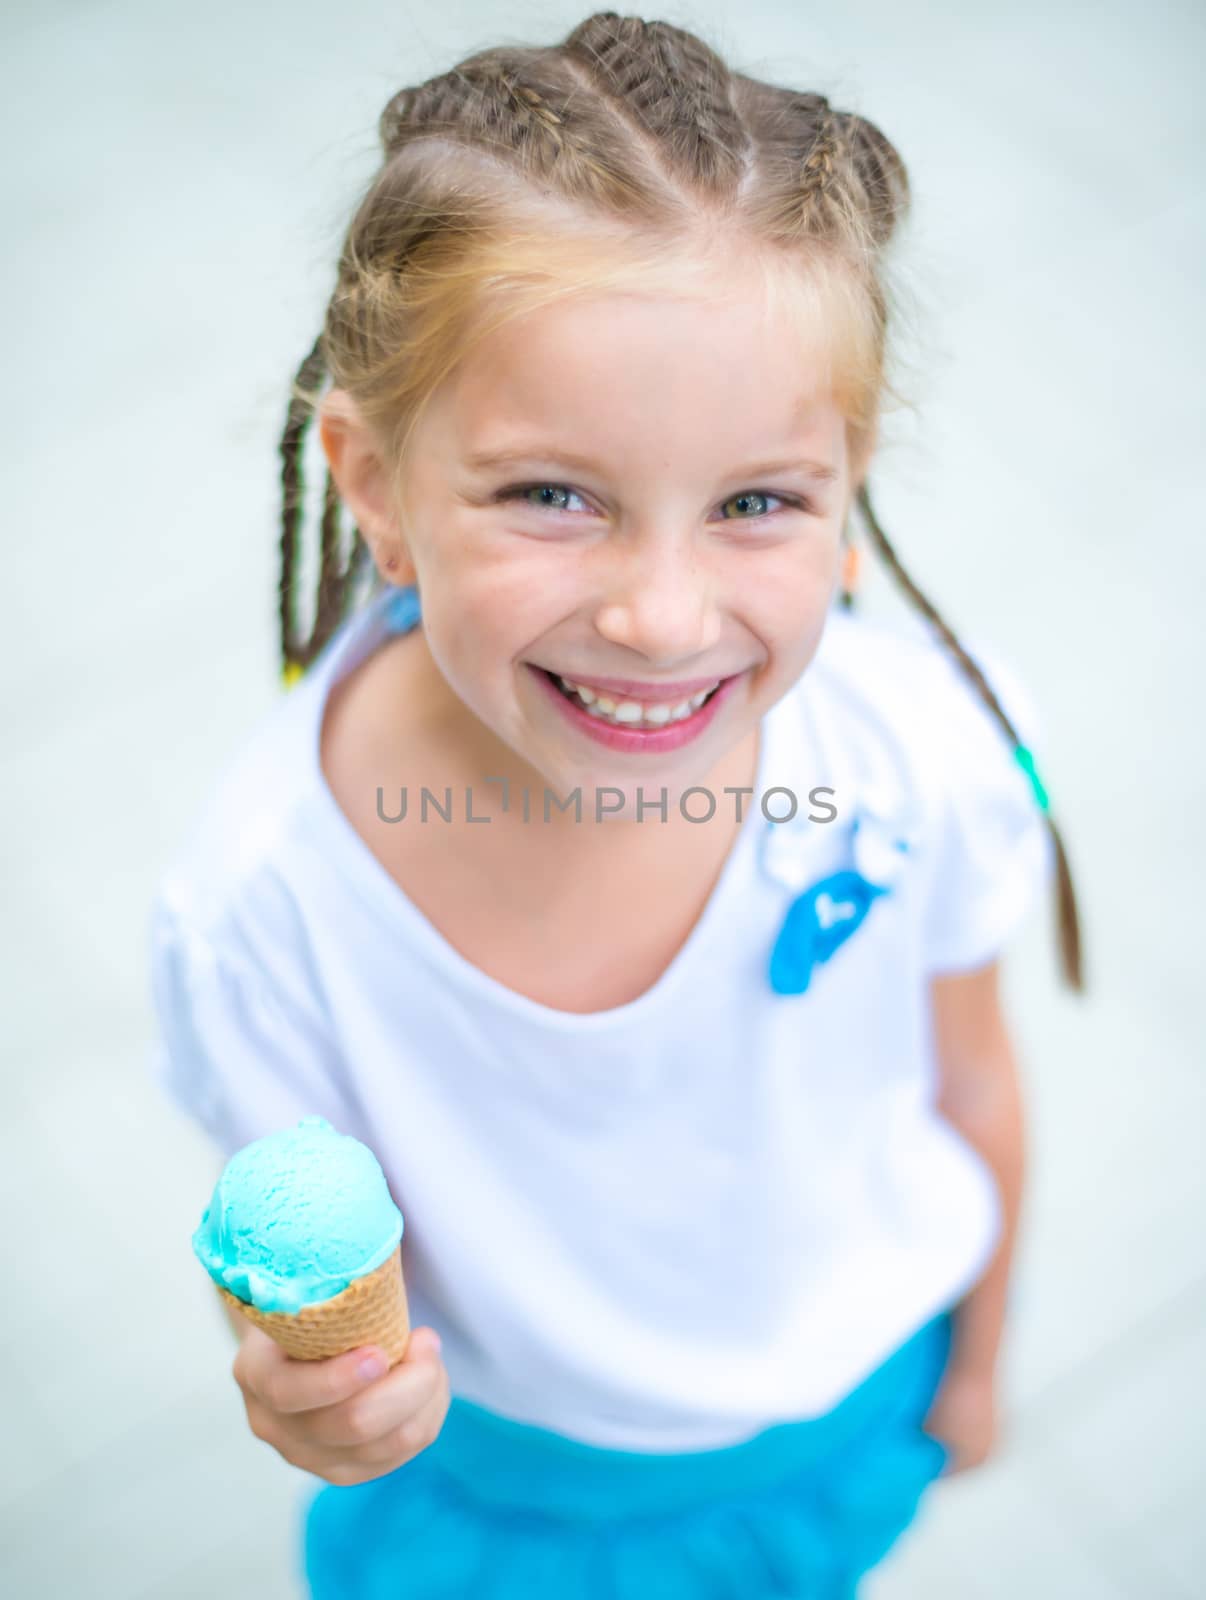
423,1344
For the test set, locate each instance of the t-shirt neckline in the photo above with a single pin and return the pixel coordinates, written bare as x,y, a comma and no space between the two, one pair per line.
393,907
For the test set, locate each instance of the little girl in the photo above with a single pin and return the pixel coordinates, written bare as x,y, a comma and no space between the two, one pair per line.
635,898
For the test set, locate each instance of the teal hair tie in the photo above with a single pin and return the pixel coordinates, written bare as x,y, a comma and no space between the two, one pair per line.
1026,761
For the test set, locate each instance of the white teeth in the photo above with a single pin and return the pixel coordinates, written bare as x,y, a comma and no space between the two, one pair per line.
631,712
586,695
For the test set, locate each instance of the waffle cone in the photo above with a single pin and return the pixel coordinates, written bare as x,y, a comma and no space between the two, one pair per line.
371,1310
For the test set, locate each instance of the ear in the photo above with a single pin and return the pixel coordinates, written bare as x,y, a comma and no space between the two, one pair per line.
354,456
861,458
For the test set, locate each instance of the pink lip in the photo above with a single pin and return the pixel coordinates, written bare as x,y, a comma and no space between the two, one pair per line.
637,741
647,693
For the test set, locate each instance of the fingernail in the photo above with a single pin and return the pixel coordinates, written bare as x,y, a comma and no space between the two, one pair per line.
436,1343
371,1367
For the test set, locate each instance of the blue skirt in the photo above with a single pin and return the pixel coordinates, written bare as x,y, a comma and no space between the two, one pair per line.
496,1510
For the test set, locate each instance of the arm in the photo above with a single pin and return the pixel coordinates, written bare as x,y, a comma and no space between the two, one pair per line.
980,1096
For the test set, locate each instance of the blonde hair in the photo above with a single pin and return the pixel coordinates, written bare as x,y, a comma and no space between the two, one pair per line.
627,158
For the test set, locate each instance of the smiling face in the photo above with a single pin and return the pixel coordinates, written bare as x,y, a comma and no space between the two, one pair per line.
669,520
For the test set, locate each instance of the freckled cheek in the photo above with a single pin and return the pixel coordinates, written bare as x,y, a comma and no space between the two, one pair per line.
479,661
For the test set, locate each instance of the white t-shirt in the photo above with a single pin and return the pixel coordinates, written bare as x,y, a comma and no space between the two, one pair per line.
666,1225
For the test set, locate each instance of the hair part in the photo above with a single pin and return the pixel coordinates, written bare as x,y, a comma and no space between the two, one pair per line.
624,159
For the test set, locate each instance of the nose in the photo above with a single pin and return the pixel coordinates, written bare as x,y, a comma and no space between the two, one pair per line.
659,602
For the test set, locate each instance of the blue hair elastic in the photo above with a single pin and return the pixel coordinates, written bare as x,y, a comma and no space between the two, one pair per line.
1025,760
402,609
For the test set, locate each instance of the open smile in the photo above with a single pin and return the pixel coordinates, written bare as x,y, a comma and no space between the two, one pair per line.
633,725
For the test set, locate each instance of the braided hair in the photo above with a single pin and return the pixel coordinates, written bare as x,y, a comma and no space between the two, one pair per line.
630,121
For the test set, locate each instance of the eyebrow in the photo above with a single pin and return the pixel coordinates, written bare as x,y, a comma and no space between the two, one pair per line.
820,470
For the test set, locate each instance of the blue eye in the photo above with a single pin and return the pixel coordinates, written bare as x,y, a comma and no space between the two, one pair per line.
747,495
522,489
519,491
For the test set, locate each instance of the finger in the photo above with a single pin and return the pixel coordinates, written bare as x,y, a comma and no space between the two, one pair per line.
406,1440
381,1408
287,1385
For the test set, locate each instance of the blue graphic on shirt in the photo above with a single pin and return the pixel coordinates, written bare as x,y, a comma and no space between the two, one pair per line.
818,922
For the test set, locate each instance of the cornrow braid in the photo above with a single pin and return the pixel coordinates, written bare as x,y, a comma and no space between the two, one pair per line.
672,88
529,102
1069,920
335,582
817,172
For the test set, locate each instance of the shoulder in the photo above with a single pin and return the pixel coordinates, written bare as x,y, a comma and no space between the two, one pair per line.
235,838
899,683
980,834
248,831
249,864
903,664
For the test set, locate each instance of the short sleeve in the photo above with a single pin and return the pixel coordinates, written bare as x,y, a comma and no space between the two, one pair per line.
994,856
233,1050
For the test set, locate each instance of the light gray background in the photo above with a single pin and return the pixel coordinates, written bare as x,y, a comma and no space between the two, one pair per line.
176,179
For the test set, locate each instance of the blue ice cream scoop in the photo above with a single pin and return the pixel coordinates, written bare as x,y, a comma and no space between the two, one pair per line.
296,1216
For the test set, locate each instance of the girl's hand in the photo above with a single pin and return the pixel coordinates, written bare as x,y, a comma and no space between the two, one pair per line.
963,1417
326,1418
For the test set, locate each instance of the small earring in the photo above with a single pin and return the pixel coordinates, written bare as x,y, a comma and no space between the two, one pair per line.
851,562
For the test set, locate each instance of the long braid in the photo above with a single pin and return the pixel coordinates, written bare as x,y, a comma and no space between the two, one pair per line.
1069,920
819,182
293,654
335,581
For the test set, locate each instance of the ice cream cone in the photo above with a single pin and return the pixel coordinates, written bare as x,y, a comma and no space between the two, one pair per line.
303,1237
371,1310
